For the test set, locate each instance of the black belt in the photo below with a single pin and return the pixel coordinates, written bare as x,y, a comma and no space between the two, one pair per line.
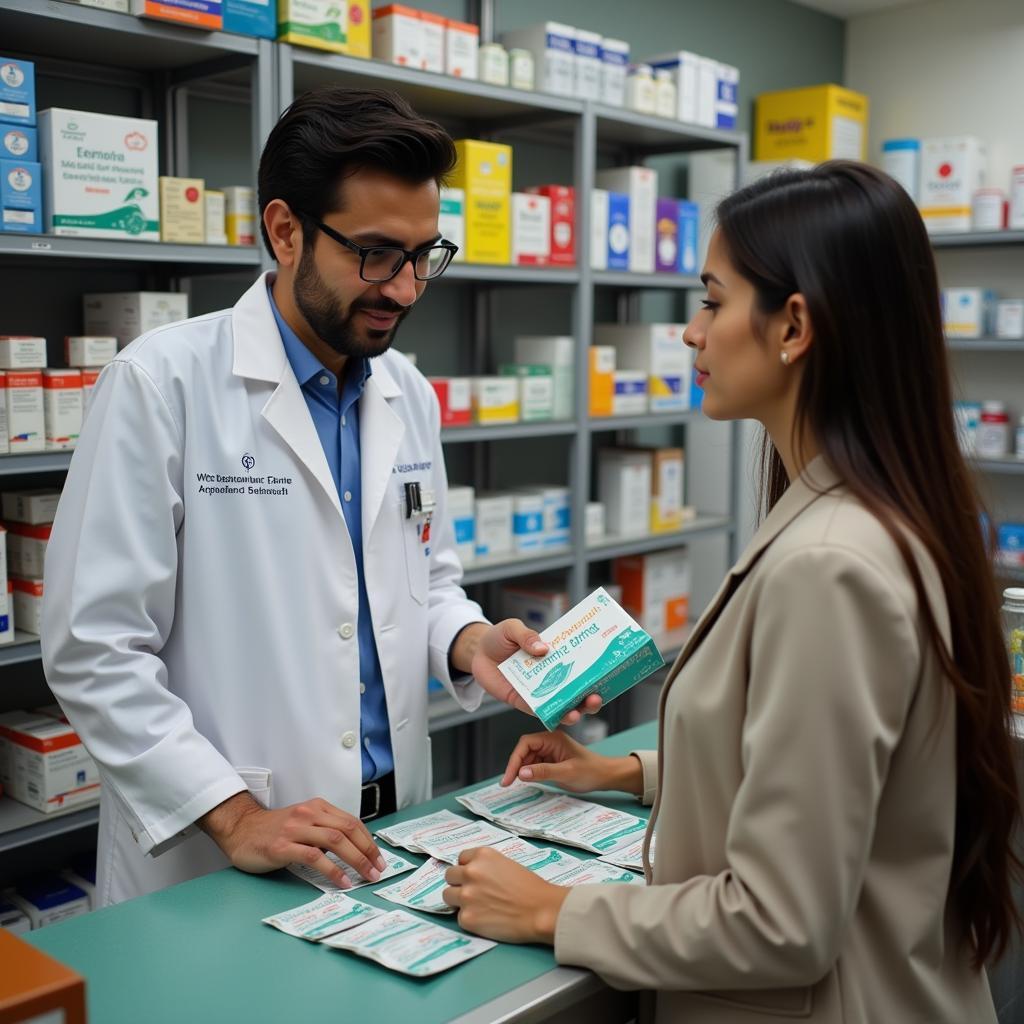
378,798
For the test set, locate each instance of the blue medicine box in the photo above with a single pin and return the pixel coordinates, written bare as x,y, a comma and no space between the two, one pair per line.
251,18
618,231
18,142
21,197
17,91
688,222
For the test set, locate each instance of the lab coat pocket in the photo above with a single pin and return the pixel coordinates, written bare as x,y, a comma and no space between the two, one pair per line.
417,540
260,784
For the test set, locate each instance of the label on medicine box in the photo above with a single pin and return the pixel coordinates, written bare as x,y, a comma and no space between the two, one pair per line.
6,625
18,142
204,14
48,768
17,91
616,242
1010,318
62,408
536,389
182,210
26,549
629,393
594,648
321,24
49,900
563,222
398,36
495,399
462,50
614,65
28,604
484,173
434,29
493,524
454,395
527,521
21,196
689,217
666,247
952,170
964,311
22,352
215,217
101,175
531,229
34,507
451,221
89,350
240,214
25,423
251,18
127,315
462,515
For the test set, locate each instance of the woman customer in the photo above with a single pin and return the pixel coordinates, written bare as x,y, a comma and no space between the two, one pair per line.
834,792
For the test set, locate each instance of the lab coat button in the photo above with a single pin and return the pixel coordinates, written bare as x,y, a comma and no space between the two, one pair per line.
345,631
348,741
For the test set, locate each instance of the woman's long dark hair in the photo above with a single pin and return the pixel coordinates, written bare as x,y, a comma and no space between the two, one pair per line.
876,396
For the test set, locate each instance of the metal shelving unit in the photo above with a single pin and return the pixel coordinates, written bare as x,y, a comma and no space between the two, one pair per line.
977,239
1009,465
507,431
984,345
53,247
24,647
161,62
37,462
618,547
20,825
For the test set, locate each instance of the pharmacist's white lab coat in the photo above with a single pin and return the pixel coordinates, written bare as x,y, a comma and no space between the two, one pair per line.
190,633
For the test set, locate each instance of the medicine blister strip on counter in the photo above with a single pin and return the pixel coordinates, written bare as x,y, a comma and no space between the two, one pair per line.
533,811
421,890
401,942
394,865
631,856
442,835
324,916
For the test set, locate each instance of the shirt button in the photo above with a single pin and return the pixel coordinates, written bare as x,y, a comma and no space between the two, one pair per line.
362,687
345,631
348,741
344,421
325,379
348,495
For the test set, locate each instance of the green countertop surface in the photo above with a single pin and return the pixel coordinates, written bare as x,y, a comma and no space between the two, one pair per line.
198,951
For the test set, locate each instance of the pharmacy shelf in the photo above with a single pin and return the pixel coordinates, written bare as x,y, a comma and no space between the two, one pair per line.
24,647
627,279
429,93
89,35
443,713
653,419
617,547
21,825
497,274
52,247
1009,465
1015,575
977,239
508,431
38,462
984,345
651,134
505,567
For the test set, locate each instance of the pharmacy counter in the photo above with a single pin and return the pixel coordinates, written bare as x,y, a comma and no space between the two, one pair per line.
198,951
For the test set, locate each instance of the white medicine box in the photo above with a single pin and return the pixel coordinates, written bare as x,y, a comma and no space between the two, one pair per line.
952,170
624,488
34,507
531,229
101,175
965,311
659,351
47,901
462,516
127,315
22,352
62,408
493,524
28,604
26,425
398,36
553,46
89,350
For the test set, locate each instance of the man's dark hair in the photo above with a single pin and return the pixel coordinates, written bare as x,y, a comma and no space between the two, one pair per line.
330,133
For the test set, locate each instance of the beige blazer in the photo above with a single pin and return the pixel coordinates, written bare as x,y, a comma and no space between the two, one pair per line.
803,797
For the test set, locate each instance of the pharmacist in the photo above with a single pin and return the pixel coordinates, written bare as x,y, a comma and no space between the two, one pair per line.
251,574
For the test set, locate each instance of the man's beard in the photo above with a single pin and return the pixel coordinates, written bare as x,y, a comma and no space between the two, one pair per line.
336,328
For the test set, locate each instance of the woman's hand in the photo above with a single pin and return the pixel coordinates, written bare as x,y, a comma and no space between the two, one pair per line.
499,899
557,758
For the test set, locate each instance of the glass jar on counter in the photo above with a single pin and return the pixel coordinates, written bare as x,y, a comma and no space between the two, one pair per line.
1013,625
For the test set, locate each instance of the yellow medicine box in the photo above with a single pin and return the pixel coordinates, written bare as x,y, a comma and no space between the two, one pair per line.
358,41
821,122
321,24
182,210
484,173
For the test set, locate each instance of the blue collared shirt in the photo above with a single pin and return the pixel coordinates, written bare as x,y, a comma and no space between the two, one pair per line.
336,418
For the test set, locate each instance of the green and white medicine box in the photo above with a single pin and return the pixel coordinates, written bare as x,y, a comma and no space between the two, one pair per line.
536,389
100,176
594,648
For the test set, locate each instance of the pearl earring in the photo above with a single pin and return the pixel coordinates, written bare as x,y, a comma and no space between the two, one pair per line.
785,358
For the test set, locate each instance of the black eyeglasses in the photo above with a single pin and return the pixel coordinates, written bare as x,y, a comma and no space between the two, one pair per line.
380,263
